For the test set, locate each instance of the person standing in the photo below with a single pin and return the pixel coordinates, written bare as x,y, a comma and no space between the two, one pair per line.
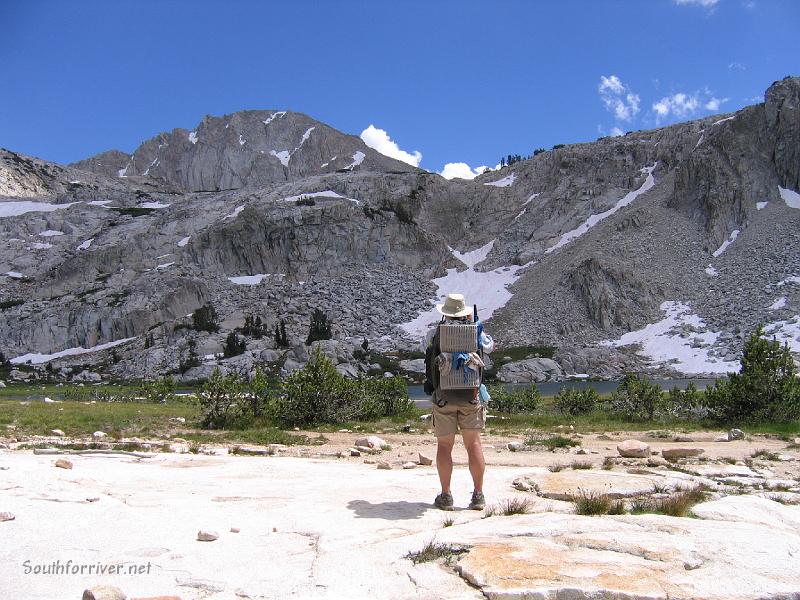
456,409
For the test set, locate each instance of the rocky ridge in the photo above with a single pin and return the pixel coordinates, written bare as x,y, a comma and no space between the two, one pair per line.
608,232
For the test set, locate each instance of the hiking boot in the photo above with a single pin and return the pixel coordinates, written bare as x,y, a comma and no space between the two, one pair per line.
444,501
478,501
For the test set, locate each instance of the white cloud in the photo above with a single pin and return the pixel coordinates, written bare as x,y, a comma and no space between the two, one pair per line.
616,132
379,140
737,66
682,105
703,3
461,170
618,98
713,103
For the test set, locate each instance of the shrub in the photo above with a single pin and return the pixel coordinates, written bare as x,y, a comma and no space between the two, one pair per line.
221,400
233,346
517,401
552,442
281,339
192,359
320,328
4,304
318,393
253,327
636,399
160,391
576,402
685,404
766,388
205,319
305,201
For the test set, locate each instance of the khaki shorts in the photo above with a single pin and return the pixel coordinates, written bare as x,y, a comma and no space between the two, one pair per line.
451,417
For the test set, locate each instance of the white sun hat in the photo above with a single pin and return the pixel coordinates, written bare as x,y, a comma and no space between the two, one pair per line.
454,306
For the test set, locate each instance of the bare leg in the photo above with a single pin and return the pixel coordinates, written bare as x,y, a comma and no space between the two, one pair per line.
477,465
444,459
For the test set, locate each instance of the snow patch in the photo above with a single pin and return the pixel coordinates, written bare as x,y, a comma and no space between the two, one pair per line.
165,265
234,214
306,135
325,194
85,245
41,246
283,156
38,359
358,158
791,197
726,243
242,141
193,137
699,141
15,275
488,289
504,182
153,205
273,116
593,220
792,279
14,209
663,342
711,271
124,172
786,332
253,279
183,241
723,120
761,205
103,203
525,205
51,233
778,304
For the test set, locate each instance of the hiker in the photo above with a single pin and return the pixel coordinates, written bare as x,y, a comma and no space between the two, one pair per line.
453,368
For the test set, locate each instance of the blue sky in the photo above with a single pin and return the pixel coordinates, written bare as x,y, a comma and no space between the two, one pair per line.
451,81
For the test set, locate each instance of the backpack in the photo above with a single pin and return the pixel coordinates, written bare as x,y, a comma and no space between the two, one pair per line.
453,338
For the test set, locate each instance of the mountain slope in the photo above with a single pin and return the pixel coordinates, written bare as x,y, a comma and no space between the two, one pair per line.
688,235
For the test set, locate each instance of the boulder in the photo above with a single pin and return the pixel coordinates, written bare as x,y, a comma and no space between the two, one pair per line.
384,465
99,435
6,516
675,453
633,449
63,463
531,370
207,536
516,446
372,441
57,432
416,365
104,592
425,460
271,355
735,434
409,465
348,370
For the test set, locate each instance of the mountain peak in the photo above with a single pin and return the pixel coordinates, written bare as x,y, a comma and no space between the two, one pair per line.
249,148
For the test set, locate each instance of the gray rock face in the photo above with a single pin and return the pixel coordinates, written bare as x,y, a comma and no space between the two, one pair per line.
110,257
532,370
251,148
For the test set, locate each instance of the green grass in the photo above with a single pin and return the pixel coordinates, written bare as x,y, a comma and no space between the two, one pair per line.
677,505
76,418
511,506
592,503
552,442
765,455
433,551
580,465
